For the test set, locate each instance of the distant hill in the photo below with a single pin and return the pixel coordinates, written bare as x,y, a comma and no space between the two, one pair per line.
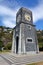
6,34
40,39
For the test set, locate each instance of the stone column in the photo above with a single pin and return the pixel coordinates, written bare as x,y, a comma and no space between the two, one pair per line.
13,42
37,47
19,48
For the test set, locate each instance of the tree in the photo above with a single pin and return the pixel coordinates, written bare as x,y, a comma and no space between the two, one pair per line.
1,45
8,46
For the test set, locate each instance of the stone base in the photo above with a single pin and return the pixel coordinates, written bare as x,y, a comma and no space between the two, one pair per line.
31,53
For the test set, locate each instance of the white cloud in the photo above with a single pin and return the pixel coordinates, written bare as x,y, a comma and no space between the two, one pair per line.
8,14
8,21
38,12
7,11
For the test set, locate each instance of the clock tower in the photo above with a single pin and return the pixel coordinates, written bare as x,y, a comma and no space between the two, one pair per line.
24,34
24,15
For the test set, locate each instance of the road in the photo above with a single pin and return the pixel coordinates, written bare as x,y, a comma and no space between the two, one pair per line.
9,59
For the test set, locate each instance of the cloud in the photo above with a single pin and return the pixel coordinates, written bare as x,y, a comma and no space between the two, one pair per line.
38,11
9,23
9,16
7,11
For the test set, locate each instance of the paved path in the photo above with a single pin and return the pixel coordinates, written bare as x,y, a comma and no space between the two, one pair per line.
3,62
9,59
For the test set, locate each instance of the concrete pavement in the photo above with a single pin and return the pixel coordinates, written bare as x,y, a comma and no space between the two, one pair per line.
3,62
12,59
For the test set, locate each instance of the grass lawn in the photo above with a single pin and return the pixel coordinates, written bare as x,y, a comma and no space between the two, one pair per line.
38,63
32,64
4,51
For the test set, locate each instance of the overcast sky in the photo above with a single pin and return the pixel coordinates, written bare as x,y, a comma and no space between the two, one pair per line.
9,8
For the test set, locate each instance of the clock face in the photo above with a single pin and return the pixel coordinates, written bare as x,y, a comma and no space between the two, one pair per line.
27,17
18,18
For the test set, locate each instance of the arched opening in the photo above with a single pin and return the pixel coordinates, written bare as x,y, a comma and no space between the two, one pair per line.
17,40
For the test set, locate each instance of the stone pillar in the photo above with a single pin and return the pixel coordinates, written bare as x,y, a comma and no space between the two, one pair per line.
19,48
37,47
24,47
13,40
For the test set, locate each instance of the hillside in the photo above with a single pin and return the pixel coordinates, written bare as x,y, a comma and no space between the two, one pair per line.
40,39
6,36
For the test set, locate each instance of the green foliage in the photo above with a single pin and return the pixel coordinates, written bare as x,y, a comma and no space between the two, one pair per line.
40,44
5,37
42,33
8,46
1,44
40,40
32,64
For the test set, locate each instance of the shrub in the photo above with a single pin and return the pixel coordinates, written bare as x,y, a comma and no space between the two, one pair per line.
1,45
8,46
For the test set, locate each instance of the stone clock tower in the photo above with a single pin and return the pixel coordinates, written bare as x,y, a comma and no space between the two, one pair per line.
24,33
